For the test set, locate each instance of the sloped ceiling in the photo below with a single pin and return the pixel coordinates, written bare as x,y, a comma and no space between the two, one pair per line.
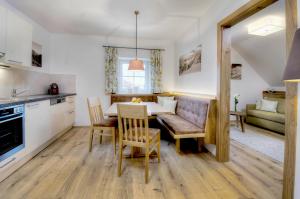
267,54
158,19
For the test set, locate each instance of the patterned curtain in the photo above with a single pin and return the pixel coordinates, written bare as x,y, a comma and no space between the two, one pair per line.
156,71
111,61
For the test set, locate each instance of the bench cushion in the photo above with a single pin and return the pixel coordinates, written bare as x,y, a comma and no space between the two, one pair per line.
193,110
179,125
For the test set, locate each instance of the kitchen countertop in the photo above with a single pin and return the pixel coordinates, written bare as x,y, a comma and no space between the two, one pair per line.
29,99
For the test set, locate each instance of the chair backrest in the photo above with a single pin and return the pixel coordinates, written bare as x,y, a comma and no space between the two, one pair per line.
95,110
133,123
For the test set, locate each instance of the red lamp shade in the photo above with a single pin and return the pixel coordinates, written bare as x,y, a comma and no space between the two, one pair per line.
292,70
136,65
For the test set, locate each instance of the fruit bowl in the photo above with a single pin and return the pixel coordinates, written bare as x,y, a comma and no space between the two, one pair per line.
136,100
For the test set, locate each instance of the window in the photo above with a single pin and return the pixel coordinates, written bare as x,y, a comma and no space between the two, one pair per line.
133,81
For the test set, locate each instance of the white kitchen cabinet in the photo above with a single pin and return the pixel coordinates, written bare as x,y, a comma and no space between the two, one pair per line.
62,115
57,118
18,40
2,31
37,124
70,111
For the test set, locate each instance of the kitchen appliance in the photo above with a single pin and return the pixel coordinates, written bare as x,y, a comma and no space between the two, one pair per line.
11,130
53,89
57,101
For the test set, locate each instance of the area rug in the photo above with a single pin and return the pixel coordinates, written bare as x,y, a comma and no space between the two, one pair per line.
260,140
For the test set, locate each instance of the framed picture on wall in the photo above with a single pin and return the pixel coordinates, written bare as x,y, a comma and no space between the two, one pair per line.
37,55
191,62
236,71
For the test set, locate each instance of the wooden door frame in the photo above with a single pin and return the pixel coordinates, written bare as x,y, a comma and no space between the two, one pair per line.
224,67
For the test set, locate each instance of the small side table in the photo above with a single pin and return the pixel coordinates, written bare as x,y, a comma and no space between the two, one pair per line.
239,116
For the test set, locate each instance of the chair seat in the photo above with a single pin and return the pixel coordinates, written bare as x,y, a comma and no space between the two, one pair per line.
109,122
153,133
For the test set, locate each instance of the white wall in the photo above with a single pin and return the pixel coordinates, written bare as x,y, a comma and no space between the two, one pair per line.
83,56
251,85
204,33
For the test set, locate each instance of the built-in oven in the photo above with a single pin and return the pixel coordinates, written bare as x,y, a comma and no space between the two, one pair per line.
11,130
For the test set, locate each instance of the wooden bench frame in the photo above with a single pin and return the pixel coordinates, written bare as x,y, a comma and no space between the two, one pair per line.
209,133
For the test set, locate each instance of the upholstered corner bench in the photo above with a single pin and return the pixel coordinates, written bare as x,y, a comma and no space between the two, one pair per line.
195,118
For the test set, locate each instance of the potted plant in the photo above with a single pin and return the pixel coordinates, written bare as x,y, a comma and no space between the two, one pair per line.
236,101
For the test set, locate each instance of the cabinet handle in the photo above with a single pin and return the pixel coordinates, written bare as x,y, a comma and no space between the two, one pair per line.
71,112
7,163
17,62
10,119
33,105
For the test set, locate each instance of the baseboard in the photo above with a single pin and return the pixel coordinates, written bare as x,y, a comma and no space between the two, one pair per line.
7,172
81,126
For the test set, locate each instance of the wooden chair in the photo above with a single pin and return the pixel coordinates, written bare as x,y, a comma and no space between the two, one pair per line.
134,131
106,127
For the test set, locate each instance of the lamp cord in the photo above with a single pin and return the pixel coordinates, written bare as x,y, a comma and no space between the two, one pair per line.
136,15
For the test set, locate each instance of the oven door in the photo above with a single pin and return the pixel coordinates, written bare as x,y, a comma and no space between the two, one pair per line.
11,135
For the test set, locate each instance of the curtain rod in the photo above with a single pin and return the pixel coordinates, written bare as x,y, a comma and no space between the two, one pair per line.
134,48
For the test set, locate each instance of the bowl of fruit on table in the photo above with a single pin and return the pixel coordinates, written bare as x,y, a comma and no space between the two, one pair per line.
136,100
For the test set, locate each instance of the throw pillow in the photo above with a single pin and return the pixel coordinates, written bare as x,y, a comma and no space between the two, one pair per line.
170,105
281,104
258,104
267,105
160,99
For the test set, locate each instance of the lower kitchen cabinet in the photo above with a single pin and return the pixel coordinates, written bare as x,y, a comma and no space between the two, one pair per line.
37,124
44,121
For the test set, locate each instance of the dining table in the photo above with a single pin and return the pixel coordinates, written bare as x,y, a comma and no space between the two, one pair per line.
153,108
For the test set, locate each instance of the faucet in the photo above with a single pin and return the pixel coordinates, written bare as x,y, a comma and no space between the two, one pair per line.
15,92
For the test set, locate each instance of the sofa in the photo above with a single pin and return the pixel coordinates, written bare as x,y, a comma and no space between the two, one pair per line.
195,118
268,120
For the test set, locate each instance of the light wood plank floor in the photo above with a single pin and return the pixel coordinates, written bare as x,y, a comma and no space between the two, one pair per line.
67,170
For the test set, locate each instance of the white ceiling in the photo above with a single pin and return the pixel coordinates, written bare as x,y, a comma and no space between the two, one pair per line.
159,19
266,55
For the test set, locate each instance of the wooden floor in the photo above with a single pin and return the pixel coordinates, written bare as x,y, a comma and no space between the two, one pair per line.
67,170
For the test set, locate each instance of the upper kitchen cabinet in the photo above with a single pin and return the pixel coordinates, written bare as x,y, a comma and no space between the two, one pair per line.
2,31
18,40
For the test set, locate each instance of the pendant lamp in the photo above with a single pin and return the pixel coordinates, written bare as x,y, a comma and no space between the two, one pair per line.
136,64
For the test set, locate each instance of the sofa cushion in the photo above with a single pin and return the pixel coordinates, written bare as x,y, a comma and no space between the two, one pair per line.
179,125
281,104
193,110
276,117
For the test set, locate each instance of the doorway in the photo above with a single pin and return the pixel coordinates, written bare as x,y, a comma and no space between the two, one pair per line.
224,71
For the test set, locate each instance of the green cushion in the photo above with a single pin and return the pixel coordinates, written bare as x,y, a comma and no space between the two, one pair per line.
281,104
276,117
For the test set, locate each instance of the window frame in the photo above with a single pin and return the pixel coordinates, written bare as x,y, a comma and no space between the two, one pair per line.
147,88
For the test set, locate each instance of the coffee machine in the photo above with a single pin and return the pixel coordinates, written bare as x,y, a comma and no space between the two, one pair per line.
53,89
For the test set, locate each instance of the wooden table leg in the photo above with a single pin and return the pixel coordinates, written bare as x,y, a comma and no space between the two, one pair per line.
237,121
242,123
